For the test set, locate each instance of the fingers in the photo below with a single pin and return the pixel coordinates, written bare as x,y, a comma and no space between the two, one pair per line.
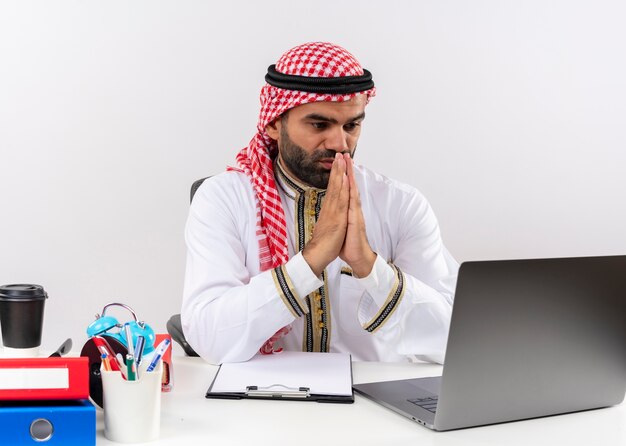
337,172
330,229
349,164
356,250
338,191
344,196
355,199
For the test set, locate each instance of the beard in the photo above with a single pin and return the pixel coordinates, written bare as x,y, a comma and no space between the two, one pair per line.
305,166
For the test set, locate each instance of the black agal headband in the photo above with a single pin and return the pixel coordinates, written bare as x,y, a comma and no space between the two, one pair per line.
323,85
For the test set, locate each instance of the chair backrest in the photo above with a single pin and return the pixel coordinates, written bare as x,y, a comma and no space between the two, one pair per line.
194,187
175,329
174,325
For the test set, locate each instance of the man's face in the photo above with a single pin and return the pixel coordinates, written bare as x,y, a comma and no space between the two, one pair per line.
309,135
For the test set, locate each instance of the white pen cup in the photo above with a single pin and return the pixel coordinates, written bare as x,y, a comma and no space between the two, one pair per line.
132,409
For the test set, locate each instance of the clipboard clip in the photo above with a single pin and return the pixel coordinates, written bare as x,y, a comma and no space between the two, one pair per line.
278,391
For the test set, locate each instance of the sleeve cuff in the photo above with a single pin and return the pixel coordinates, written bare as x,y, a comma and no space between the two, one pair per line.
294,279
392,302
385,286
379,281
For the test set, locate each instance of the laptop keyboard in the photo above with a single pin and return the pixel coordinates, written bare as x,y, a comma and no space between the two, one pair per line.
430,404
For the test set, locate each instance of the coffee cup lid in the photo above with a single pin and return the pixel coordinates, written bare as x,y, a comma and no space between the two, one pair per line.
22,291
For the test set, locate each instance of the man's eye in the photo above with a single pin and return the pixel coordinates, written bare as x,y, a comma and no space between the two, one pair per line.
319,125
351,127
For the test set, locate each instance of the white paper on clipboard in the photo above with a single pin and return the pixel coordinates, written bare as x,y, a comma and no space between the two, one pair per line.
321,373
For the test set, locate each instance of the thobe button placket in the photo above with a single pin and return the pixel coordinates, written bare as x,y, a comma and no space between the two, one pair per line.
311,210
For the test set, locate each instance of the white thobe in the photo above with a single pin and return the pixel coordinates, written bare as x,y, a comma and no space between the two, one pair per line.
230,308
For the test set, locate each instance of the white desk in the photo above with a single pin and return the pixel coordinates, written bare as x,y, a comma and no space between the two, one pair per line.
188,418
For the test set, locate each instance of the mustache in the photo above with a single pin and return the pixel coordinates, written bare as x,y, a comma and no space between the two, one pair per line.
322,154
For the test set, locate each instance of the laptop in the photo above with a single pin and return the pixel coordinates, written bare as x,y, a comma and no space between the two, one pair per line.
528,338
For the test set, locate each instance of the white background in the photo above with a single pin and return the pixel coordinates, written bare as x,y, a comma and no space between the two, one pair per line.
509,116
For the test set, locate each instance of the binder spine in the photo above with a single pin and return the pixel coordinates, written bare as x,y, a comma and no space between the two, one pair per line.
44,379
54,423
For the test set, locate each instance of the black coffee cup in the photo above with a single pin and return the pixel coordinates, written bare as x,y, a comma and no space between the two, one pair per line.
21,318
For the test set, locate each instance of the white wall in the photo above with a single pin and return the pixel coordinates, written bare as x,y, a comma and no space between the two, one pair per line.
508,115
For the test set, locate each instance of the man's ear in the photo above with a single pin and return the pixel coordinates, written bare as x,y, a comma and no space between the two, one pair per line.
273,128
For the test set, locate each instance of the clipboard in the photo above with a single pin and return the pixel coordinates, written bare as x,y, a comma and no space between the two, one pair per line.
287,376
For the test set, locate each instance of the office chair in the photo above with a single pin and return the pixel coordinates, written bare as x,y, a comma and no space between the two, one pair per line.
174,326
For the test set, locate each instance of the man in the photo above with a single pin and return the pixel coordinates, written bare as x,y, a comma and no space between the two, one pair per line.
300,247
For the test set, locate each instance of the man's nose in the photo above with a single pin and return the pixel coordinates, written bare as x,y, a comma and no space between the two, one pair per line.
337,140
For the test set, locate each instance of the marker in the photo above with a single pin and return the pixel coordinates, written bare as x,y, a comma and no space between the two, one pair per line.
131,370
158,353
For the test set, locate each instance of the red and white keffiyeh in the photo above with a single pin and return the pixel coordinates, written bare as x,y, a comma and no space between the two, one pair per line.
315,59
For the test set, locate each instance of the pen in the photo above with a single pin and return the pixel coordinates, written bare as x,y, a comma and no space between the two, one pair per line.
120,359
104,347
103,350
105,362
158,353
129,340
141,341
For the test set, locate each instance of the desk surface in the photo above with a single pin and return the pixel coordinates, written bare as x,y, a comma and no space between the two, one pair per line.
187,417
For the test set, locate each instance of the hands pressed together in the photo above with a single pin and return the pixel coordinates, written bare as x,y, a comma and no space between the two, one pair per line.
340,228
